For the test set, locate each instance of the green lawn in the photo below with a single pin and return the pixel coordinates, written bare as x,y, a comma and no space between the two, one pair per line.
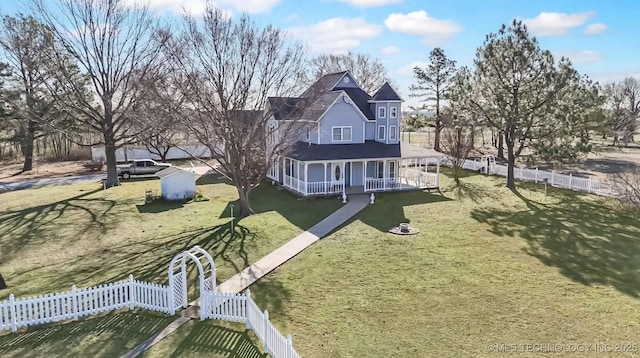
52,238
489,267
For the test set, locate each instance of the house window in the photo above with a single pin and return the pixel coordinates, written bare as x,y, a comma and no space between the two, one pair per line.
392,133
392,169
380,132
341,134
393,112
380,170
308,133
382,112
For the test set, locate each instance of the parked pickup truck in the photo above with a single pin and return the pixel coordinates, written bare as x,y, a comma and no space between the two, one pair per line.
141,167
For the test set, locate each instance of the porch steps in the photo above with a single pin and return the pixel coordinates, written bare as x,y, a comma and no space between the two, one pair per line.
359,189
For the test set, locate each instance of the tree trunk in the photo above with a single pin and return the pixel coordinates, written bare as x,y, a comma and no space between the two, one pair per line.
511,163
3,284
436,139
112,171
501,145
27,147
244,206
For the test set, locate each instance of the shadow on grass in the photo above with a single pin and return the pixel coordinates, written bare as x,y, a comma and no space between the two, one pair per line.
150,259
272,295
213,178
23,226
208,338
474,192
159,205
388,210
109,335
588,240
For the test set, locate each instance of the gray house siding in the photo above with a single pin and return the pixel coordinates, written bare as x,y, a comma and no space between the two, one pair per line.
342,114
315,172
370,130
356,173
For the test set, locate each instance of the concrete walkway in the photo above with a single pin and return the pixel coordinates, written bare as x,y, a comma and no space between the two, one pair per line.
262,267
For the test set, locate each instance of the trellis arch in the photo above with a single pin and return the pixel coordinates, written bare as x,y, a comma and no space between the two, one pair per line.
178,276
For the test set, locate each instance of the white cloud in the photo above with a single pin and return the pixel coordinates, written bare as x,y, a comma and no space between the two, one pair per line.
336,35
594,29
584,56
419,23
556,23
370,3
197,7
407,70
390,50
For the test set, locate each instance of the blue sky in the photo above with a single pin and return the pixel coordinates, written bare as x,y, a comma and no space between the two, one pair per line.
600,37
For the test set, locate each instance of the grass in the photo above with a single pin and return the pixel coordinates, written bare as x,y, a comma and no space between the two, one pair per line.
52,238
489,266
108,335
211,339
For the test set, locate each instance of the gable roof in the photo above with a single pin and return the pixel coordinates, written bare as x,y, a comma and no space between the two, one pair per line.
361,100
386,93
324,84
172,170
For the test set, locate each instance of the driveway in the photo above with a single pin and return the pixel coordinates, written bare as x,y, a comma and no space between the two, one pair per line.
38,183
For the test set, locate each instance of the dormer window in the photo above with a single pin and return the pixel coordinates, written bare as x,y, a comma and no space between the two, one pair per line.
393,112
341,134
382,112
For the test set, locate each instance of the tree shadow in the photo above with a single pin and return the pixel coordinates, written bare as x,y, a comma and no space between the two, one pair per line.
585,237
24,226
208,338
212,178
389,208
474,192
159,205
272,295
108,335
150,261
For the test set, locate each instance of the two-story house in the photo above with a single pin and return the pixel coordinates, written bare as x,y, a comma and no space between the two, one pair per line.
344,141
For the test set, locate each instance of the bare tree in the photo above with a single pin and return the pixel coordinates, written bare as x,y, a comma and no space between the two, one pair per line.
457,142
433,84
626,187
117,46
367,70
623,102
224,71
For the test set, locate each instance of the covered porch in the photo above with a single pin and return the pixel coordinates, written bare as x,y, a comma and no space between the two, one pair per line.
325,177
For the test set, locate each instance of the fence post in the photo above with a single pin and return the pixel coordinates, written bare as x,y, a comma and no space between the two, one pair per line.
14,320
536,180
247,300
289,346
265,342
132,293
570,184
521,173
589,185
74,295
553,176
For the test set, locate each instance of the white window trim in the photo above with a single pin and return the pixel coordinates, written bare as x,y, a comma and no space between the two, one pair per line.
383,133
392,130
393,114
382,112
342,134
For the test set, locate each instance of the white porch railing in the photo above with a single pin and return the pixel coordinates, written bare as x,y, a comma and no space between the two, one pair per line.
313,188
410,179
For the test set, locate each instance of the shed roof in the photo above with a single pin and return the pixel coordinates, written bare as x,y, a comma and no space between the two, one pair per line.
172,170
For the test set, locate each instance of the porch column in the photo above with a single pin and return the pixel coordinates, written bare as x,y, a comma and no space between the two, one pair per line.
306,186
385,174
344,185
324,177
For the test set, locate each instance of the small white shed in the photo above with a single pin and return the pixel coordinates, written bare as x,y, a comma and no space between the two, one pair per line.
177,184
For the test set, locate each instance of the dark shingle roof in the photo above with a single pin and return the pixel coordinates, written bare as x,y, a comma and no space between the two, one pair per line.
368,150
323,85
386,93
361,99
286,107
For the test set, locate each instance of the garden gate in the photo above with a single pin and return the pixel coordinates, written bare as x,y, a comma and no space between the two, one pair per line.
178,277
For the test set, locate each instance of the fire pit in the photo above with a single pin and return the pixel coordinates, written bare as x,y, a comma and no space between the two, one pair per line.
404,229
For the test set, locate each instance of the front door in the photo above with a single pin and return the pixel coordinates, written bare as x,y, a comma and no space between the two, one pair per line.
337,172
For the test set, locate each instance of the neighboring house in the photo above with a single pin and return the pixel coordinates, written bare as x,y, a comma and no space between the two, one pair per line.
177,184
345,141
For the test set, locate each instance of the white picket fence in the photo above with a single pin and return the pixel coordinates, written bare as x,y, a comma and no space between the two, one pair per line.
242,308
22,312
71,305
571,182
